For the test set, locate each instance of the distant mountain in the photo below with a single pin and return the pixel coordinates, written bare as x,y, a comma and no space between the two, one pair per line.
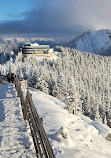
11,44
98,42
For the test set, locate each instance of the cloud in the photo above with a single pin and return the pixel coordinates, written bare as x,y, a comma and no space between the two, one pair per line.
95,13
62,16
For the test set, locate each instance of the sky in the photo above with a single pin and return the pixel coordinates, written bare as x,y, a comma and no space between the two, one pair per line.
54,16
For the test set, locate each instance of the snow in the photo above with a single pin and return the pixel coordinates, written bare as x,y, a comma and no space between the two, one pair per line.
35,44
15,135
98,42
71,136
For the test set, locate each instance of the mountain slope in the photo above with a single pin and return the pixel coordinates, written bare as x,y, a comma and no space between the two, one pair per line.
80,80
71,136
98,42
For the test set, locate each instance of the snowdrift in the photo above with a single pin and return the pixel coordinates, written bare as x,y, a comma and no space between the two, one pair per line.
71,136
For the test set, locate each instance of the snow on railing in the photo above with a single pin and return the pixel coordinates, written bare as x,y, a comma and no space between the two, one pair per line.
40,139
2,79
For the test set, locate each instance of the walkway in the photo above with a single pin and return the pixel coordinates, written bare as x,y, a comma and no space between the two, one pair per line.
15,136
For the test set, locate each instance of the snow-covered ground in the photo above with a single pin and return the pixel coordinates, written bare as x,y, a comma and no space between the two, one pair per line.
15,135
71,136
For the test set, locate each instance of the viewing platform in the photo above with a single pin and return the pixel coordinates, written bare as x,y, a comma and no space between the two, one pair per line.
15,135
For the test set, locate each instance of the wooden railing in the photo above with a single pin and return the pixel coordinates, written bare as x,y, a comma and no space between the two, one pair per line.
40,139
2,79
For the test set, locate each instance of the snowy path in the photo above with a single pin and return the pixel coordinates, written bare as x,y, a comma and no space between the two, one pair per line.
15,137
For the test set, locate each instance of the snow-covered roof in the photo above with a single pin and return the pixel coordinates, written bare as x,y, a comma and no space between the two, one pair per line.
35,44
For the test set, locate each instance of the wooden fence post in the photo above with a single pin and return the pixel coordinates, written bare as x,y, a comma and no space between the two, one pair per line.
26,106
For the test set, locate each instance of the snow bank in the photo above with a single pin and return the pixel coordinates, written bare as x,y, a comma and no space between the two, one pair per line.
71,136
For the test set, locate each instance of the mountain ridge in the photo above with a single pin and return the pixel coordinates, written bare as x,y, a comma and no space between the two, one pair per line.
94,41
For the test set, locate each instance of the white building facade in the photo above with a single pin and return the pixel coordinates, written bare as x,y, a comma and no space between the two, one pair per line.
34,49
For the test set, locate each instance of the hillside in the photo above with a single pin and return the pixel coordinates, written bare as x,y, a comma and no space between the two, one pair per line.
80,80
71,136
98,42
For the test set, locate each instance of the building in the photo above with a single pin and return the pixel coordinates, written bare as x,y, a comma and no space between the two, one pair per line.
35,49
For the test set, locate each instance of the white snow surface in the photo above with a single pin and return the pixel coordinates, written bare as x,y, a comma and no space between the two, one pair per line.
15,135
71,136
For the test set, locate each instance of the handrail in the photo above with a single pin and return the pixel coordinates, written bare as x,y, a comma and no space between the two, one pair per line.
2,78
41,142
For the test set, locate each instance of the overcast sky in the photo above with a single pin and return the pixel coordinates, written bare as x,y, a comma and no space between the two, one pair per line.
54,16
